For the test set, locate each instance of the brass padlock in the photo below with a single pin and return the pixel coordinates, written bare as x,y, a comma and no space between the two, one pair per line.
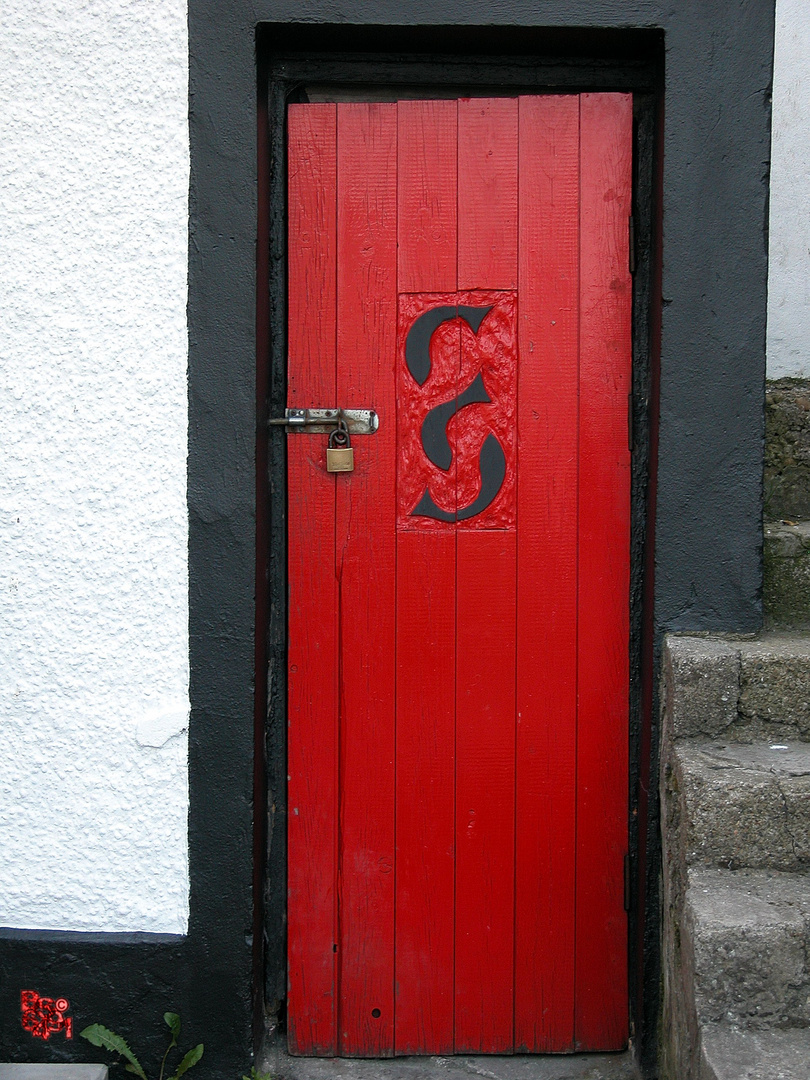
339,452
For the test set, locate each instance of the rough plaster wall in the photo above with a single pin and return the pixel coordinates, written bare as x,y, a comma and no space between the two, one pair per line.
789,271
93,558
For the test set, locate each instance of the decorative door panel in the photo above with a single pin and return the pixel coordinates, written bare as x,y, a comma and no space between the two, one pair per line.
459,603
455,463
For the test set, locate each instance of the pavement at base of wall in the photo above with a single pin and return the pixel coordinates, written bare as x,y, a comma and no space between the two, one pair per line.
275,1061
40,1071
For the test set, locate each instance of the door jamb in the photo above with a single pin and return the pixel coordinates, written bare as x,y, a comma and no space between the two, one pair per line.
283,70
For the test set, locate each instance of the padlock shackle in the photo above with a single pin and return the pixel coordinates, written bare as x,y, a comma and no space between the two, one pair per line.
339,439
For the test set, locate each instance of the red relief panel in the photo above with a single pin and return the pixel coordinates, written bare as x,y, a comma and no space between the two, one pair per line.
456,409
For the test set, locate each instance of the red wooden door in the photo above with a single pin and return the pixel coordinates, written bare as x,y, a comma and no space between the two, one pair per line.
458,628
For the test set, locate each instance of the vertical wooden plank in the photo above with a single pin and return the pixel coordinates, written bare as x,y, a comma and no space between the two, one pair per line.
366,572
604,571
426,624
427,195
426,563
547,573
485,643
485,635
485,791
312,680
487,193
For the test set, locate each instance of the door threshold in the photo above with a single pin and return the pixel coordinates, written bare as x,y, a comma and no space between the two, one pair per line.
275,1060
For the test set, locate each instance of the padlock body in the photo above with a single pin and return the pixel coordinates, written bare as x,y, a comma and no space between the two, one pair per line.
339,459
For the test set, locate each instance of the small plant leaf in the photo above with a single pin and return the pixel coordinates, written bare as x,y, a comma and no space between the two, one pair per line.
173,1023
98,1035
191,1058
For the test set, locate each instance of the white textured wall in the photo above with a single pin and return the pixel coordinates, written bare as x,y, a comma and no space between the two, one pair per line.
789,273
93,553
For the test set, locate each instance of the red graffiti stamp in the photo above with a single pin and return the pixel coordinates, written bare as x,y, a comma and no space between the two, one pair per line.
43,1016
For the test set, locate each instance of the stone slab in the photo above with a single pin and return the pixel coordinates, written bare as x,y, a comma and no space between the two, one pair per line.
701,685
56,1071
737,688
775,681
743,805
731,1054
749,933
789,759
282,1066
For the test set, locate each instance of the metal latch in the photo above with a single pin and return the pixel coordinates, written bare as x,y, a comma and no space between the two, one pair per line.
313,421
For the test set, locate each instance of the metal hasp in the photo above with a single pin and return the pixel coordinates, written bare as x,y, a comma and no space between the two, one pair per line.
313,421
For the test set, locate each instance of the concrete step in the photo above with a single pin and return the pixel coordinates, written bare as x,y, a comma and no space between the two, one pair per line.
741,689
275,1060
741,804
735,800
749,933
786,574
731,1054
53,1071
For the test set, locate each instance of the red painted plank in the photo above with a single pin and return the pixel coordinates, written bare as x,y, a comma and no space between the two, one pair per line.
604,577
547,574
485,791
485,646
487,193
366,571
312,701
426,620
427,195
426,603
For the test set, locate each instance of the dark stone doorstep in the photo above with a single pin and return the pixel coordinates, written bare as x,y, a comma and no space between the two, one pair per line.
281,1066
52,1072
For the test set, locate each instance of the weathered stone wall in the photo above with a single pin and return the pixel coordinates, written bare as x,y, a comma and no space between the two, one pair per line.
786,575
786,554
787,450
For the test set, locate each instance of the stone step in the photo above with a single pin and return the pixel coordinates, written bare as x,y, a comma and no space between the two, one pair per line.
731,1054
740,689
735,791
51,1071
786,574
749,933
274,1060
741,804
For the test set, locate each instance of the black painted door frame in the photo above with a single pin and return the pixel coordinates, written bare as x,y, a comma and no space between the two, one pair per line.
287,68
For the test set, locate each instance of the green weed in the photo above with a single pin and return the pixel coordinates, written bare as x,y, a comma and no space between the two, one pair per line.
98,1035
